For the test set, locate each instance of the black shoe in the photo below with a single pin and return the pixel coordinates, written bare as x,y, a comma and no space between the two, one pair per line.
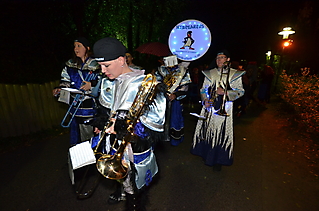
217,167
117,196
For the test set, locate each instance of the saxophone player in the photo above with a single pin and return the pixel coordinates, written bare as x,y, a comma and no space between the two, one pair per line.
213,138
176,76
117,93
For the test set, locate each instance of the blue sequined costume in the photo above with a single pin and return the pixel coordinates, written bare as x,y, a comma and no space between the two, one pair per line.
174,125
72,76
117,97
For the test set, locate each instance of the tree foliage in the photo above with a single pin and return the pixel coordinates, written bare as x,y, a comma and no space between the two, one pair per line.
44,31
307,33
134,22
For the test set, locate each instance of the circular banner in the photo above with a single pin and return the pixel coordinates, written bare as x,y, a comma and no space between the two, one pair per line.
189,40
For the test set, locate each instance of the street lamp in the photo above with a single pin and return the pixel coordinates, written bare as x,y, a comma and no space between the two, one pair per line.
268,53
286,32
268,56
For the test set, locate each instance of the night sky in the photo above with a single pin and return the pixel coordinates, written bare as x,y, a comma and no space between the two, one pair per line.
248,29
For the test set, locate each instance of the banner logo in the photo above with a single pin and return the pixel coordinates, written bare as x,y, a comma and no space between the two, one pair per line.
189,40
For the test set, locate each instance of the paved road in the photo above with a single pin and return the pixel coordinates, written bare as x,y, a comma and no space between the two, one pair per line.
274,170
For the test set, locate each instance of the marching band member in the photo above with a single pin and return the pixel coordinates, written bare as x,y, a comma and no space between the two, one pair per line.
179,79
73,75
118,92
213,139
129,61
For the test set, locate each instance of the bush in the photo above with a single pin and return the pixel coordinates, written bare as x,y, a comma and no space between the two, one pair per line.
302,94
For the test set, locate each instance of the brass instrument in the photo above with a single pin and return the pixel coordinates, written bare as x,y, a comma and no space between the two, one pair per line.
76,103
214,97
169,80
213,93
109,124
79,191
112,166
222,110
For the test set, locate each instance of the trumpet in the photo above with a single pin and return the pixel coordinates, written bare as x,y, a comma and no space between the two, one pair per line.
113,166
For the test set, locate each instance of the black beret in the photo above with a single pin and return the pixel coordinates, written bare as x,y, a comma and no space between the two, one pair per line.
84,41
108,49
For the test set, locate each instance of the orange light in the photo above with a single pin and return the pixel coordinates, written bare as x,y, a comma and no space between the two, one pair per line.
287,43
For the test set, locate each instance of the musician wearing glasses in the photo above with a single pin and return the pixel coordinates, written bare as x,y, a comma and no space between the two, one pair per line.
133,110
213,138
80,73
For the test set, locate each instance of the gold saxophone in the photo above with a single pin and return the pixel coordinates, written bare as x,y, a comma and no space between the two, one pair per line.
169,80
112,166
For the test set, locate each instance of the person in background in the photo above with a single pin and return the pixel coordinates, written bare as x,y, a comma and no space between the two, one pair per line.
118,91
129,61
252,69
80,73
213,138
244,100
266,78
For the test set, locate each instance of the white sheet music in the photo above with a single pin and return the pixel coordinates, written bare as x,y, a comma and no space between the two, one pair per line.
72,90
81,155
64,96
71,173
197,115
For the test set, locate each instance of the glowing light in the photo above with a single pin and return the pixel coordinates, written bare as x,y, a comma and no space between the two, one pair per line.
286,32
287,43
